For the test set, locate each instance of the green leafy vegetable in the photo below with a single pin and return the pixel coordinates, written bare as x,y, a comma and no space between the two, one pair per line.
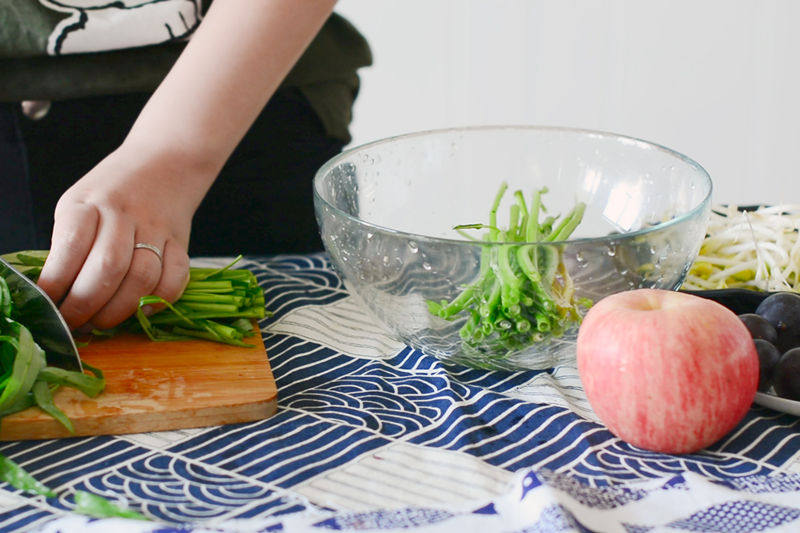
29,360
43,396
25,378
213,306
523,293
5,298
91,386
213,300
17,477
92,505
85,502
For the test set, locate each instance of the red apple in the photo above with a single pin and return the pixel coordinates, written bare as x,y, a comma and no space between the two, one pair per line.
666,371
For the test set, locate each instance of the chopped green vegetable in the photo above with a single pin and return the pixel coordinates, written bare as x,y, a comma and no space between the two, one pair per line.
85,502
213,300
92,505
20,405
90,386
523,293
43,396
213,306
25,378
5,298
17,477
29,360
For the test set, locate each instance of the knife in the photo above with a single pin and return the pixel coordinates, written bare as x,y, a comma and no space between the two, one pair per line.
36,311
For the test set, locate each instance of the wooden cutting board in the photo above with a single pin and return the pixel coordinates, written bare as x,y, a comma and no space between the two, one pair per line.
157,386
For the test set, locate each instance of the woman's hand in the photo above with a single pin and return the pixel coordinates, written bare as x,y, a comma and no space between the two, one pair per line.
93,269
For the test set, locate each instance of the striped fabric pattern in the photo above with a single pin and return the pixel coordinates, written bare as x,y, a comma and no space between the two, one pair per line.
373,435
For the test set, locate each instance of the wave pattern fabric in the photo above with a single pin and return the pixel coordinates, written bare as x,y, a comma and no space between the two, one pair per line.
371,435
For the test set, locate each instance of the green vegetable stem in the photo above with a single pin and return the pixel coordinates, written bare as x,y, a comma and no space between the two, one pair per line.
523,293
17,477
218,304
92,505
85,502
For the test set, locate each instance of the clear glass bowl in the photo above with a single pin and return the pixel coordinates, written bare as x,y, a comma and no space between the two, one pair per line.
387,210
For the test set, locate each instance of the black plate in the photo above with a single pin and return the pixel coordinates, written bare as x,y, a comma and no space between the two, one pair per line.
740,301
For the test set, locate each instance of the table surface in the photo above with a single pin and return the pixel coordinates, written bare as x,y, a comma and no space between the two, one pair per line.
372,435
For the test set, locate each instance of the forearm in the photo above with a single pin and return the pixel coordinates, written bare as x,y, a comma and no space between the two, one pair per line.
148,190
233,64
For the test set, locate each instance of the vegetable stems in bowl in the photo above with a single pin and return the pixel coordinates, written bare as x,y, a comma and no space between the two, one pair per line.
523,293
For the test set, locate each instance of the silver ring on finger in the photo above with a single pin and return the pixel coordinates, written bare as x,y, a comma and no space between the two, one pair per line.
150,247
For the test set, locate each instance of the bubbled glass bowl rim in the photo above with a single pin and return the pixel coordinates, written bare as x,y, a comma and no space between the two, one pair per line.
375,228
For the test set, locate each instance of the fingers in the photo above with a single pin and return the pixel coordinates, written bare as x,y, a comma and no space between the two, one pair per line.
140,279
96,274
73,234
175,273
147,275
102,273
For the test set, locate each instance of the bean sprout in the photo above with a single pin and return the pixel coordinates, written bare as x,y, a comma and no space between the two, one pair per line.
757,249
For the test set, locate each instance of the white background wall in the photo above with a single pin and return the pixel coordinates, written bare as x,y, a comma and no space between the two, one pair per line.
718,80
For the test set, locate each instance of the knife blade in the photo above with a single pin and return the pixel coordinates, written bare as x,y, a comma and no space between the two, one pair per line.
34,309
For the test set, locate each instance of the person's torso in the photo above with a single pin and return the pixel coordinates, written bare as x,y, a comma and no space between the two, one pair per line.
62,49
31,28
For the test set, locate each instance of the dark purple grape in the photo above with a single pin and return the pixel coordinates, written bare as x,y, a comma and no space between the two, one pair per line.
782,310
768,357
786,378
759,327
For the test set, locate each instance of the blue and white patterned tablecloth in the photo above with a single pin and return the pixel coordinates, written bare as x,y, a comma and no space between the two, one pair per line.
373,436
